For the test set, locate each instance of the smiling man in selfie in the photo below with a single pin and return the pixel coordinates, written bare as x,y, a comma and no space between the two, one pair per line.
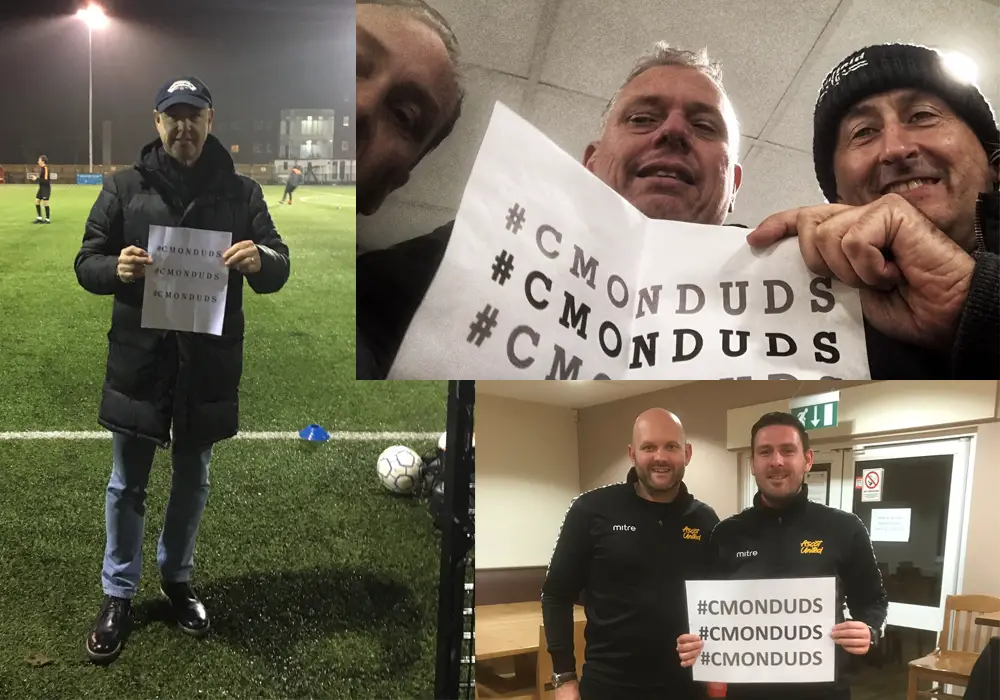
907,151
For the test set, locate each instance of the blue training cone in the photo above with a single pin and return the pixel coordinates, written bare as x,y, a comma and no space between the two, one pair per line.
314,433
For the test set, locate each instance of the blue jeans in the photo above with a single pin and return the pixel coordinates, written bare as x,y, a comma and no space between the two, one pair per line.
125,511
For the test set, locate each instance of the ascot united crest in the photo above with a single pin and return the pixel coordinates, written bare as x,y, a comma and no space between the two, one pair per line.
811,547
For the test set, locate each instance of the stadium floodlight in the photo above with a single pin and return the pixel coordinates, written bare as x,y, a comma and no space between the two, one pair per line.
93,16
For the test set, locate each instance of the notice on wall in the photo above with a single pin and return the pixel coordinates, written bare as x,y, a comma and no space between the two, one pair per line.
871,485
890,525
817,483
765,630
185,287
550,274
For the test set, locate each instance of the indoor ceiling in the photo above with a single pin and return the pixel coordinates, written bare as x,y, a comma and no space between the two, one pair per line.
557,62
572,394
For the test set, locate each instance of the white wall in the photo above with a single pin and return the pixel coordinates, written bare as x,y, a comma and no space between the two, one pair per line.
526,475
982,561
712,476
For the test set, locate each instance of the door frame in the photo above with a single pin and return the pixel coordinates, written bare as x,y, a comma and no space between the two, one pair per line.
956,528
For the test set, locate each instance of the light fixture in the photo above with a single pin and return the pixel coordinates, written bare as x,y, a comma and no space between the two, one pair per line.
960,66
93,16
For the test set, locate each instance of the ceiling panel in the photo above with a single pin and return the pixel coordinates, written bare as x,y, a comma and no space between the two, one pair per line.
774,179
491,34
970,26
760,43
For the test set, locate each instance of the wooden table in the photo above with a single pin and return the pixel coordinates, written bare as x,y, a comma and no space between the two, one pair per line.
989,619
510,629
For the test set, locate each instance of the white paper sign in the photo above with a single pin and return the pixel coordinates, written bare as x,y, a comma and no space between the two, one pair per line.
817,481
871,485
550,274
764,631
890,525
185,287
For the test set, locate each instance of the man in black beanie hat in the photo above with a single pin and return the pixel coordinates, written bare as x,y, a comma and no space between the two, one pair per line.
907,154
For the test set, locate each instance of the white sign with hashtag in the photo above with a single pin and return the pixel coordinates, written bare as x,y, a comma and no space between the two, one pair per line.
185,287
550,274
764,631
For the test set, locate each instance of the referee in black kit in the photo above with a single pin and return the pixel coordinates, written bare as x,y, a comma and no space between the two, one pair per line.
44,191
629,547
792,537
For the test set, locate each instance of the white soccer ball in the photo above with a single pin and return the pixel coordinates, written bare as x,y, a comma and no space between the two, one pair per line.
399,469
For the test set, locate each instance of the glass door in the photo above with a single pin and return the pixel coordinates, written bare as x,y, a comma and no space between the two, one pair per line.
911,497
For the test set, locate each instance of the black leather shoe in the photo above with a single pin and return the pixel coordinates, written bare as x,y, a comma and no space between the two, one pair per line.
190,613
104,643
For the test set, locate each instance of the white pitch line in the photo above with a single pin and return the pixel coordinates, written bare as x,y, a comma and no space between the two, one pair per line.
336,436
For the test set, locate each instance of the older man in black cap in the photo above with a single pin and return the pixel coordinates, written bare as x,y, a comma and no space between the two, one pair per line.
907,153
169,388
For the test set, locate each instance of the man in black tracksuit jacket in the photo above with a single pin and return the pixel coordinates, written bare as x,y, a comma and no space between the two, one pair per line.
630,556
785,535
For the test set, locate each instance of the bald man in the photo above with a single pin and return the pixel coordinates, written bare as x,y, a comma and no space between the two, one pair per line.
629,547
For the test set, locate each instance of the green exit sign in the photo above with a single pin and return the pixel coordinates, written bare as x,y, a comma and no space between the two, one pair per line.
816,411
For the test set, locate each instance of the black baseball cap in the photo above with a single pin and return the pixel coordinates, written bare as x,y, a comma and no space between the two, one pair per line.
186,90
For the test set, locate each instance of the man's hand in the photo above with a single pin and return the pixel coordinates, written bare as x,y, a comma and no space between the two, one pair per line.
854,636
243,257
570,690
132,263
914,280
689,646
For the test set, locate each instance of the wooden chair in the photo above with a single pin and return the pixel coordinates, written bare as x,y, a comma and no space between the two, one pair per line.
959,644
544,690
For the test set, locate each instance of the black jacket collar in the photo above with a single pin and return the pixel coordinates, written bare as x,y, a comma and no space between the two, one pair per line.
797,505
680,504
988,212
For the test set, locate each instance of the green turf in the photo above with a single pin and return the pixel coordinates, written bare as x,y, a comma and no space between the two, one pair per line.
299,353
320,583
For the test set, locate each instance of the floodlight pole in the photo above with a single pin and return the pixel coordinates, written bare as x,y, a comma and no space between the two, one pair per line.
90,52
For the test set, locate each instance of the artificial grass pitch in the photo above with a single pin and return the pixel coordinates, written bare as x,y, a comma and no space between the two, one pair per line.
319,583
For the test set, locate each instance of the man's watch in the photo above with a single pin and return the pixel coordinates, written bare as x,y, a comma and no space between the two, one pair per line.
559,679
875,636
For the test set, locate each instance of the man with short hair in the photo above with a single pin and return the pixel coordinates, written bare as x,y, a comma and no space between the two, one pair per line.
669,144
169,388
907,153
44,191
629,547
777,529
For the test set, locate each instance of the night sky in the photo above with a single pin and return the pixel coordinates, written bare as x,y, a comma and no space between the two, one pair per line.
256,56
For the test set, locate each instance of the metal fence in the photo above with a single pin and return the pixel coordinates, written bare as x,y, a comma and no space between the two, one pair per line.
264,173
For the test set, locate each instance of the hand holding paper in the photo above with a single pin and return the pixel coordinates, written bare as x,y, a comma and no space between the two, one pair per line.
915,293
243,257
132,262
